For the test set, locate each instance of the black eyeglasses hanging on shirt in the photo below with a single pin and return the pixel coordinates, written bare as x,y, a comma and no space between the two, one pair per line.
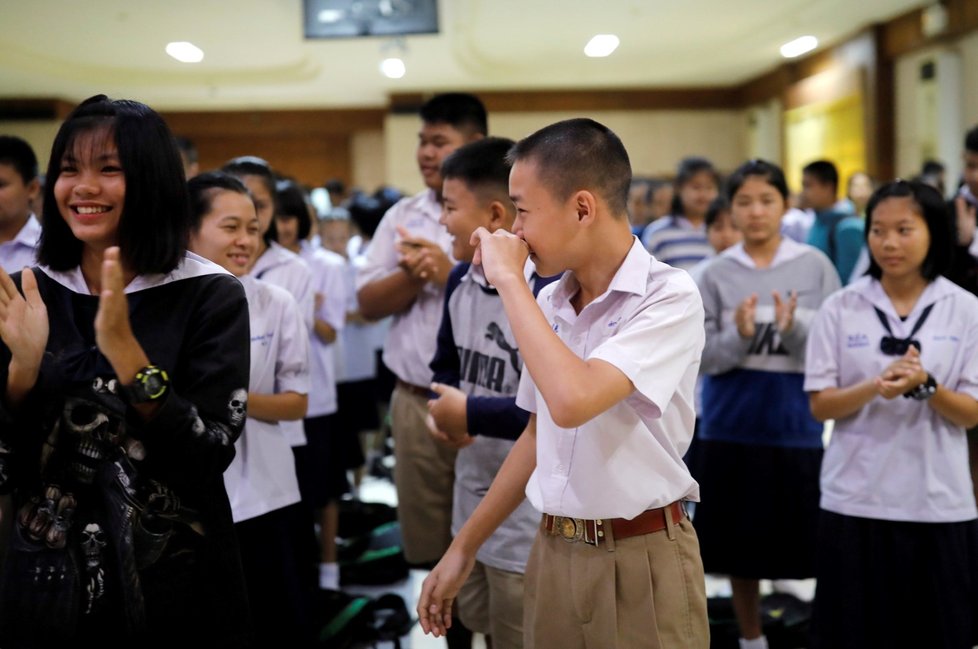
892,346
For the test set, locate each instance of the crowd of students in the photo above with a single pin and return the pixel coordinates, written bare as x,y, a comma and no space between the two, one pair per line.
555,337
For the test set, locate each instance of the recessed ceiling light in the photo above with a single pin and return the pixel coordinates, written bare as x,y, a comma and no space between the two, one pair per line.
799,46
393,68
185,52
601,45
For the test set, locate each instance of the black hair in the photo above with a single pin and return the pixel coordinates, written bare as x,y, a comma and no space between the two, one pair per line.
931,168
251,165
366,211
719,206
578,154
971,140
687,168
459,110
932,208
155,223
291,203
824,172
335,186
481,165
18,154
187,147
204,187
768,171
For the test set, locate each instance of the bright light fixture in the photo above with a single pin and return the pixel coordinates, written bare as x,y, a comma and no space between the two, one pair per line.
393,68
601,45
185,52
799,46
330,15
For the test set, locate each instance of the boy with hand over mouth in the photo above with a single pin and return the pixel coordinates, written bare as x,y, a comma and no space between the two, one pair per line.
612,351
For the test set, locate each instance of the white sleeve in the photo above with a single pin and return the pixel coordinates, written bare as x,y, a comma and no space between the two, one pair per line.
658,344
821,352
292,361
333,310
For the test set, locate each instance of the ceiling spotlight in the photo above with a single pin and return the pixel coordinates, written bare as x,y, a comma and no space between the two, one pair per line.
601,45
799,46
185,52
393,68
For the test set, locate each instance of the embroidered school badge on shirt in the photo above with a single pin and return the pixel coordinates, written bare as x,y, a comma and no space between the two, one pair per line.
857,340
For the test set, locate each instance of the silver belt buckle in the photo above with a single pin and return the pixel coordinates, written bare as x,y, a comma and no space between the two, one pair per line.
569,529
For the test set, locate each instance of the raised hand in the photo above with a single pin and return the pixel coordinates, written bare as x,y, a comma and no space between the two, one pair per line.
902,375
422,258
501,254
24,323
745,315
784,312
113,331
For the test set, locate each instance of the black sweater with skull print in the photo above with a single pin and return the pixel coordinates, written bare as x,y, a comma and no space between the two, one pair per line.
122,528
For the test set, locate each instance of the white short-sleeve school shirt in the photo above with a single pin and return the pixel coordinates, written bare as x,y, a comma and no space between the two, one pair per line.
21,251
896,459
413,334
262,477
284,268
328,280
648,324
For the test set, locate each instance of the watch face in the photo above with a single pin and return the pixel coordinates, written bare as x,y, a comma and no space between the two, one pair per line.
153,382
153,385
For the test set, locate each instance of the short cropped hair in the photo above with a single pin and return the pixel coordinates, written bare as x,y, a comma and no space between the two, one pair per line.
290,201
18,154
155,224
481,165
971,140
933,209
460,110
768,171
204,187
578,154
824,172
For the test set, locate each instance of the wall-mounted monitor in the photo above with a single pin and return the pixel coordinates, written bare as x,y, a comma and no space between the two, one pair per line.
359,18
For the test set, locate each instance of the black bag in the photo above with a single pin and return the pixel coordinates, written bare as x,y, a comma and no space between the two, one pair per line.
369,548
358,622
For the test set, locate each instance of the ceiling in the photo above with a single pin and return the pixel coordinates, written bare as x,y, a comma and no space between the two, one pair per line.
256,55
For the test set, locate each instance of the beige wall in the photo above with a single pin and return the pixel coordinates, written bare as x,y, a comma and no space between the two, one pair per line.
655,139
369,159
38,133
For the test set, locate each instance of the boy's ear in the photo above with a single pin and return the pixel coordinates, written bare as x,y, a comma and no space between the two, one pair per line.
499,217
586,206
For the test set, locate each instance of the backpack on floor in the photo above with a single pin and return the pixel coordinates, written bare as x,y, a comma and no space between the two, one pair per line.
369,546
358,622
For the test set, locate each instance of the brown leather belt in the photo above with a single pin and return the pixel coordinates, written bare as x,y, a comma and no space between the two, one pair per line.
592,531
416,390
